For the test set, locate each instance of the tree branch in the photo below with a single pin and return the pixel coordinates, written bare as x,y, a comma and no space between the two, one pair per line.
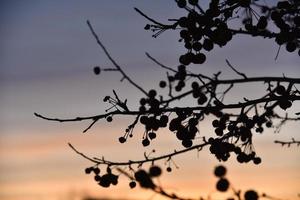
118,67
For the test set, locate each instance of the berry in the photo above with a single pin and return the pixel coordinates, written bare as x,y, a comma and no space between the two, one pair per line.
187,143
96,170
145,142
251,195
152,135
244,3
193,2
202,98
88,170
219,131
220,171
215,123
132,184
285,104
269,124
197,46
181,3
109,119
222,185
97,70
152,93
199,58
147,27
208,45
169,169
262,22
162,84
122,139
291,46
97,178
106,98
195,85
257,160
155,171
280,89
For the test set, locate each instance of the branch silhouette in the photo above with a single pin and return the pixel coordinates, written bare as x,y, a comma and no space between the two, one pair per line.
234,124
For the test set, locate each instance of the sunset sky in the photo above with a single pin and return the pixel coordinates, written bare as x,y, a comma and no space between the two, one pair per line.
47,55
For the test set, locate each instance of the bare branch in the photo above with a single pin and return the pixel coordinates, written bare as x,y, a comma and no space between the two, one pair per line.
239,73
288,143
113,61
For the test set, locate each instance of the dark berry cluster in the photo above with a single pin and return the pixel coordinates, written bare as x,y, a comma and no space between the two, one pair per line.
284,101
201,32
151,103
152,123
180,77
104,180
198,93
184,126
241,130
145,178
202,29
286,16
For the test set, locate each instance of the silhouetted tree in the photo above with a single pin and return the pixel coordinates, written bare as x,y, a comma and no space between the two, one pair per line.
202,30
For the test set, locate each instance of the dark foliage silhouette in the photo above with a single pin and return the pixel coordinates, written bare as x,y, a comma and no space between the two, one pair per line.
235,124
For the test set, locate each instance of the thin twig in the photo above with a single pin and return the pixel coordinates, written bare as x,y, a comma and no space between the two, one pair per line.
288,143
236,71
113,61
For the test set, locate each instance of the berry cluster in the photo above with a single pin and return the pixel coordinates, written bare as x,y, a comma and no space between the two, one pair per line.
286,16
179,76
184,129
201,30
241,130
152,124
145,178
151,102
284,102
106,179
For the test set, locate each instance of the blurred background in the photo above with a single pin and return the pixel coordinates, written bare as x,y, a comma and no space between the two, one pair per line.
47,55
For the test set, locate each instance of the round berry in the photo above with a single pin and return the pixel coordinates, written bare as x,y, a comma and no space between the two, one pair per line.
251,195
88,170
132,184
222,185
215,123
97,178
122,139
152,93
152,135
145,142
169,169
109,119
291,46
199,58
97,70
280,89
96,170
162,84
155,171
187,143
220,171
257,160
